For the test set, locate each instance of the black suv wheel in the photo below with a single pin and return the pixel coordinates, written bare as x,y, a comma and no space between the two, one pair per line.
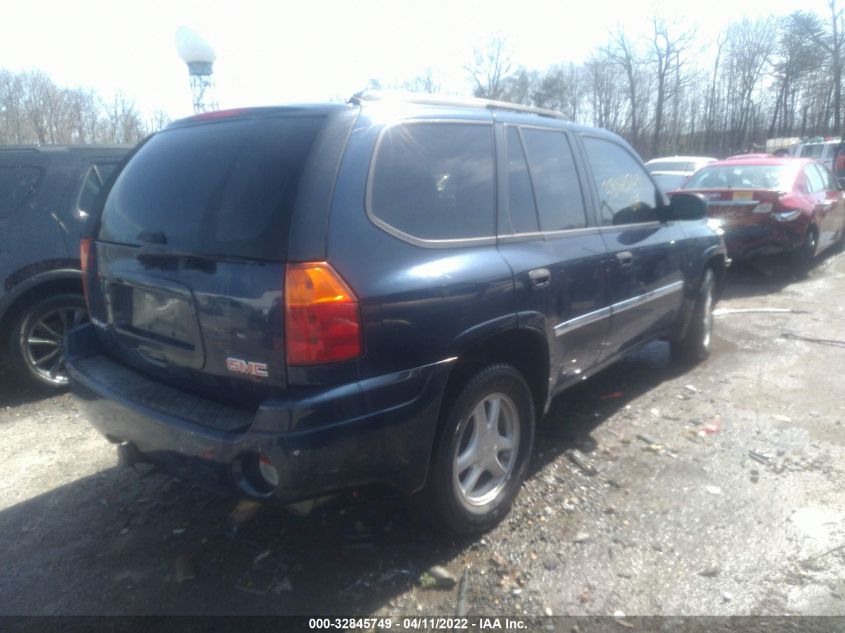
695,345
36,343
481,453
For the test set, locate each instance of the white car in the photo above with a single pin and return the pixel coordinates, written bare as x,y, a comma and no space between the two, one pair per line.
822,151
673,171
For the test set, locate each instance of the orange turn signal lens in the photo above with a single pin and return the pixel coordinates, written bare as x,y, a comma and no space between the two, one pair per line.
322,321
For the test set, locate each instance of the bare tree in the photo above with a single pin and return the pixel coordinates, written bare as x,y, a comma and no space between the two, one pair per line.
606,98
423,82
158,121
810,26
563,88
124,121
621,51
667,61
491,66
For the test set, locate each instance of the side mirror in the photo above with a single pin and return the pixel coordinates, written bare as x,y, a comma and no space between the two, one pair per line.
688,206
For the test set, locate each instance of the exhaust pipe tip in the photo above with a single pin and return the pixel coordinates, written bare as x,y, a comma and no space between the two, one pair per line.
128,455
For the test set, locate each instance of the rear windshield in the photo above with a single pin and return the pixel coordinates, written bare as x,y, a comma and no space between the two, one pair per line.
776,177
225,188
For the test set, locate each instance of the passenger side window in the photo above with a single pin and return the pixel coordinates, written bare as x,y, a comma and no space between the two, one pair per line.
558,193
523,211
815,184
16,183
626,194
435,181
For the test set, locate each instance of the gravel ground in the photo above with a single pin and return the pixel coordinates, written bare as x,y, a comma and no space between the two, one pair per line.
653,492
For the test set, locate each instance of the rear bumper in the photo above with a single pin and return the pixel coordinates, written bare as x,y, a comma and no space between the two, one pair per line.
767,238
379,430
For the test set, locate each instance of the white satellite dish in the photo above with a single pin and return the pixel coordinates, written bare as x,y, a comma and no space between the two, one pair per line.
192,47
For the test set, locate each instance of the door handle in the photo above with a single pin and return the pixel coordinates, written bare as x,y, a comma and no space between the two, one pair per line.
625,258
539,278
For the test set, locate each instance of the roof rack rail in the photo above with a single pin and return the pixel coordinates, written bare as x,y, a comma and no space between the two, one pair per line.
445,100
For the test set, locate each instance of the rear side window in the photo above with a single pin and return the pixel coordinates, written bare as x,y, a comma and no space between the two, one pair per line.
225,188
812,150
435,181
16,183
555,179
523,212
626,194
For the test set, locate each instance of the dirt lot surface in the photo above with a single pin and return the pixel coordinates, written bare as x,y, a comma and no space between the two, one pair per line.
716,490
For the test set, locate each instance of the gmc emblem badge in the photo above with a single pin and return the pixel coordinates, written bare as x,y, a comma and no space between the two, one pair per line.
250,368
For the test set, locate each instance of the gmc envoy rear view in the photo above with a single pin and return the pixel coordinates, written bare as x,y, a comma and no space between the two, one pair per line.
290,301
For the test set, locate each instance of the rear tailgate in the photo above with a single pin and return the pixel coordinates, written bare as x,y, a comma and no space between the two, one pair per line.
190,253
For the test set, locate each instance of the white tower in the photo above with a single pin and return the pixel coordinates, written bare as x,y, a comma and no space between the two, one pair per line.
199,56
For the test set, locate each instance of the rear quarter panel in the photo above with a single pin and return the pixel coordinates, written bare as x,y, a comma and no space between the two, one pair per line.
418,304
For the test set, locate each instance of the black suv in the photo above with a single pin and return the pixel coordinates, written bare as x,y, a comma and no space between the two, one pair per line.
289,301
46,194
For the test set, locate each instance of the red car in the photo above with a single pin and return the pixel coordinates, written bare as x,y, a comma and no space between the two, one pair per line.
773,205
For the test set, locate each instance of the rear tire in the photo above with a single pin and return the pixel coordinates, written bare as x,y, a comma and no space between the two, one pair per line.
694,347
36,341
480,454
805,256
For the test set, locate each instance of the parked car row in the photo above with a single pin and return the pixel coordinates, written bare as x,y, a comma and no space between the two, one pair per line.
286,302
767,204
773,206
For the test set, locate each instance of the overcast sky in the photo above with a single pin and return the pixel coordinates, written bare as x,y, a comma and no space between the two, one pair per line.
276,52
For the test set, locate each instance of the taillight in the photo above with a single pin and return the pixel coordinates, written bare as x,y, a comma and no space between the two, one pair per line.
322,322
86,258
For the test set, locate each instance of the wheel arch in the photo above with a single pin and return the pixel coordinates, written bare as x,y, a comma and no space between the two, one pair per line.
34,288
525,349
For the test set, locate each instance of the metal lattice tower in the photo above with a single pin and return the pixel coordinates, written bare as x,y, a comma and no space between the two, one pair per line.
200,57
202,86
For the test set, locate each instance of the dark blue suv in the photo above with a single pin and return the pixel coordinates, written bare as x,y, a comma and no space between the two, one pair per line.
46,194
290,301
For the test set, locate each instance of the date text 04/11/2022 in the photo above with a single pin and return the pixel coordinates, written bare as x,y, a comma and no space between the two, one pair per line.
419,623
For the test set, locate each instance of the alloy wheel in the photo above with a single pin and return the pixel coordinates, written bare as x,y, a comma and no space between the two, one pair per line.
43,342
707,309
486,454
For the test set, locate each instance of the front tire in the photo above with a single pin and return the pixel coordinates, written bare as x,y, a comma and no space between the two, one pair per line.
36,341
694,347
481,453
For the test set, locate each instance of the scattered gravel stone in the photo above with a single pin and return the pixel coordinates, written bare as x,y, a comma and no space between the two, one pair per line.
437,577
550,562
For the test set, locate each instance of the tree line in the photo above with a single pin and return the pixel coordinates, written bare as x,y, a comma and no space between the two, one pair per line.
666,93
670,93
34,110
